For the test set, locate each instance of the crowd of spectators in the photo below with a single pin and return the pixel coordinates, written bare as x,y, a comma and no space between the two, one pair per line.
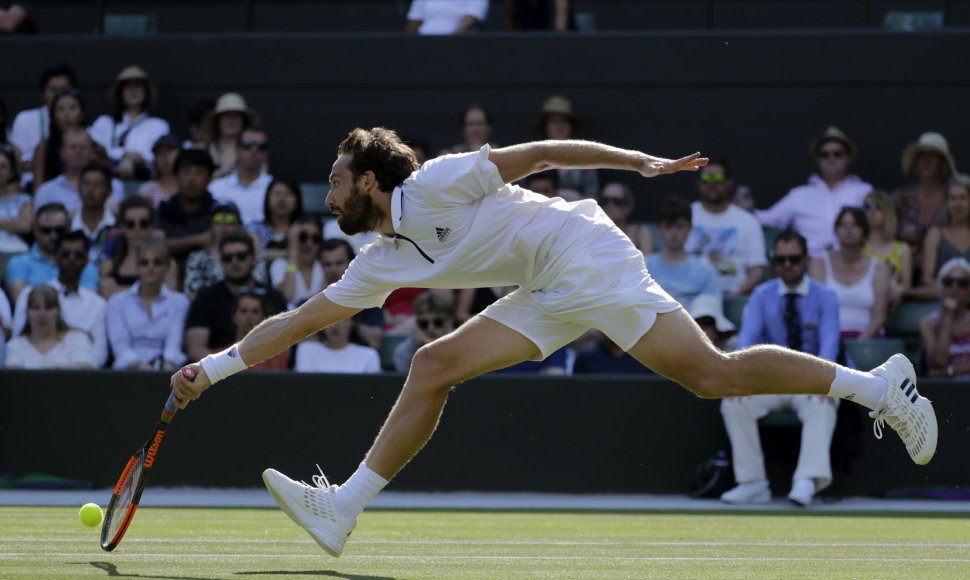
162,249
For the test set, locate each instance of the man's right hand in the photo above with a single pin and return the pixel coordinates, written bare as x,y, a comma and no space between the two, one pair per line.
188,390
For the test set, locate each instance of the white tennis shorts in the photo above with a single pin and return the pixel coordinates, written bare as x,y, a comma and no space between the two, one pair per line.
603,284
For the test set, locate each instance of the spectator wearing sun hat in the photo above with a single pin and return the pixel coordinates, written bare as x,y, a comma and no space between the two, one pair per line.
556,120
811,209
708,311
129,133
226,122
919,202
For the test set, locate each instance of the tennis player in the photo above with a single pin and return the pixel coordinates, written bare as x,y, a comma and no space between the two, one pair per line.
456,222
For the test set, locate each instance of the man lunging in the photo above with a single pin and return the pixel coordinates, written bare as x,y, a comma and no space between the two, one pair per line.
456,222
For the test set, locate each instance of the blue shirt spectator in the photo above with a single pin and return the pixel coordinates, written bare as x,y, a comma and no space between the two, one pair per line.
34,268
139,337
684,281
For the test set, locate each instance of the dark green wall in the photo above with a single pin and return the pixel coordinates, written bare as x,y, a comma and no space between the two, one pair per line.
497,433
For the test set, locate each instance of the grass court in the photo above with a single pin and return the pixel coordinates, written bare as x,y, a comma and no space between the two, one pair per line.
224,543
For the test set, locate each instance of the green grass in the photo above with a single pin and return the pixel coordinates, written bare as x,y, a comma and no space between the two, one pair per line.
187,544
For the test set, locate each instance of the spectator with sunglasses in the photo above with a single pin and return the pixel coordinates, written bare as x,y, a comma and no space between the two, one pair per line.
146,322
946,332
39,264
727,237
209,325
203,267
82,308
434,317
16,207
136,225
246,186
616,199
795,311
300,275
811,209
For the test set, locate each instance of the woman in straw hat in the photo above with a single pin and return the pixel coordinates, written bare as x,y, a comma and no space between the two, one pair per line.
129,133
919,203
226,123
556,121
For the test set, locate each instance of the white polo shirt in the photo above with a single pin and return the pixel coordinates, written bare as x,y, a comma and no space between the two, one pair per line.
460,225
248,198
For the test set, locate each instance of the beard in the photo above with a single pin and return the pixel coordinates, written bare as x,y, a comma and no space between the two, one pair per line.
358,215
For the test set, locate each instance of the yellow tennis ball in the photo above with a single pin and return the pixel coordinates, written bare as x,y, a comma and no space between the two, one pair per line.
90,515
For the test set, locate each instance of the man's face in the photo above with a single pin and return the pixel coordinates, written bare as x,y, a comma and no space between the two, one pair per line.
253,150
355,210
615,204
674,234
237,261
833,159
77,151
56,84
543,186
476,128
789,262
48,229
192,181
713,184
335,263
94,189
71,260
432,326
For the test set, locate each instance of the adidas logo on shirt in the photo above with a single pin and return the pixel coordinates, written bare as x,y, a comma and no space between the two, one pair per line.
443,234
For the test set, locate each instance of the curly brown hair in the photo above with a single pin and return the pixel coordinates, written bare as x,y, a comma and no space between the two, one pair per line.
379,150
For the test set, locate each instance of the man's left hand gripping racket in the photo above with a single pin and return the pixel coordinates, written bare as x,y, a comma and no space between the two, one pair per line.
128,490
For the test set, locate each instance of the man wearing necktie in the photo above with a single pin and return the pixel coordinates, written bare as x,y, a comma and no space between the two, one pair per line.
795,311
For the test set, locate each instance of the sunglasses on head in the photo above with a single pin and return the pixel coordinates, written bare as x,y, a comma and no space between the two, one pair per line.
834,154
137,224
962,283
155,262
712,177
238,256
225,218
794,259
261,145
315,238
617,201
75,254
48,230
424,323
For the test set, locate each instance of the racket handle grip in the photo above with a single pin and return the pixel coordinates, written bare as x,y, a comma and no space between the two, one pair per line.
170,408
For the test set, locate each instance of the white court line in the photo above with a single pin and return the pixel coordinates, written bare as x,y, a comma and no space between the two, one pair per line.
6,540
156,556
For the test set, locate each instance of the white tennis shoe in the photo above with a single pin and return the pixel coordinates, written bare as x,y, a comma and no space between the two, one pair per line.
908,413
313,508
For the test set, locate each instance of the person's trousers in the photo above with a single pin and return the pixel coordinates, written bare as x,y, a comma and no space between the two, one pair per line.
817,414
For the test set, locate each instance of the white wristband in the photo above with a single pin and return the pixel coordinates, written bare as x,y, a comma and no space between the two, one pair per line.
223,364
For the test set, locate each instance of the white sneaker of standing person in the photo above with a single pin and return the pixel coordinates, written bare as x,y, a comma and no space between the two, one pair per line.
748,492
906,412
802,492
312,507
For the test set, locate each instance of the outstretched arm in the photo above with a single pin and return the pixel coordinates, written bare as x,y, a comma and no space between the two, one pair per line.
518,161
271,337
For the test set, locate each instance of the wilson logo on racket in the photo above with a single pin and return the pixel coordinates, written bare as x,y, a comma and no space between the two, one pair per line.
153,448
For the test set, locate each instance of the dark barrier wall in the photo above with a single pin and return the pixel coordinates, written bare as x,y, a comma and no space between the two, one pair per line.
757,97
497,433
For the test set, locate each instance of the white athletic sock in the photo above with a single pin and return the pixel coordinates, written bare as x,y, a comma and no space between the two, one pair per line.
866,389
353,496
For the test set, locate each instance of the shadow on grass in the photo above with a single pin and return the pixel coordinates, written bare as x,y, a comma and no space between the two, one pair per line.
112,571
330,573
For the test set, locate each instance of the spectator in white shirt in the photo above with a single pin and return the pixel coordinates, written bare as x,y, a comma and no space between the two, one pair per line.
246,186
446,16
811,209
130,132
146,322
32,126
335,353
81,308
47,342
300,275
225,124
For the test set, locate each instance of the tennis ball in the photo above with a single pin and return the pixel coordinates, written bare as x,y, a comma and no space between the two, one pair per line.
90,515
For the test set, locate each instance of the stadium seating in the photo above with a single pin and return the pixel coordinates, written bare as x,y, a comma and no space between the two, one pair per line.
388,345
868,354
314,198
734,308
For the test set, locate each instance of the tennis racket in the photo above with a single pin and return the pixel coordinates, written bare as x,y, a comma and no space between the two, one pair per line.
130,485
